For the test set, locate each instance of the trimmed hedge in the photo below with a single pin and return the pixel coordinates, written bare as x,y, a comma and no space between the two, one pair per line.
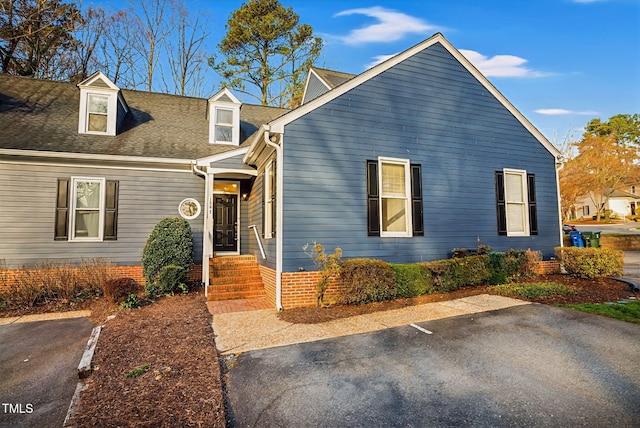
366,281
503,267
452,274
412,280
591,262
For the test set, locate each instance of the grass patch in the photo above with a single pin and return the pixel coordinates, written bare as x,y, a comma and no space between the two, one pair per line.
534,290
628,311
139,371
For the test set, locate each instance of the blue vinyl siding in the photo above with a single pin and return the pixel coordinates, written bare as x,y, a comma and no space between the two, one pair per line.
255,217
432,111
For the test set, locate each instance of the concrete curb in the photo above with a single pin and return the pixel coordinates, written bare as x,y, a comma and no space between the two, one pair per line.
85,368
45,317
632,284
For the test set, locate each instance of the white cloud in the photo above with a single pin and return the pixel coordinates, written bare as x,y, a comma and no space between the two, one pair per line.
391,26
501,65
378,59
561,111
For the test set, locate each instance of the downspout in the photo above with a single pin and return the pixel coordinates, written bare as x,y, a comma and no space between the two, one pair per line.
205,231
279,211
559,166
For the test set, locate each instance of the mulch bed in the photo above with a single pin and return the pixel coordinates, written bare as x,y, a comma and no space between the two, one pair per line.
586,291
182,386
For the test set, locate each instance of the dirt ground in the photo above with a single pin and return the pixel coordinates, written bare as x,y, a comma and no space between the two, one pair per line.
182,385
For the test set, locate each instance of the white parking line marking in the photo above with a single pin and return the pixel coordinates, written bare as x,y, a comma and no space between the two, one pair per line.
424,330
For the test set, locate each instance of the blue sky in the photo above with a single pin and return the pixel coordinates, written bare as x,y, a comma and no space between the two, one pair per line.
560,62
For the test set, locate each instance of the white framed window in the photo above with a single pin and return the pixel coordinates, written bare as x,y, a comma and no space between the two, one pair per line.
97,113
517,210
395,197
87,209
224,125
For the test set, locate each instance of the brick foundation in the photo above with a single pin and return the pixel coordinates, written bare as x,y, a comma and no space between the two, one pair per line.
135,272
548,267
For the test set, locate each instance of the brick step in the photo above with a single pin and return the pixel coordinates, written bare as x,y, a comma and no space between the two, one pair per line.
242,272
232,261
232,295
237,286
235,277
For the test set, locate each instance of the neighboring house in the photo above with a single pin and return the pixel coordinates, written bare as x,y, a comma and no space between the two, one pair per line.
621,204
411,158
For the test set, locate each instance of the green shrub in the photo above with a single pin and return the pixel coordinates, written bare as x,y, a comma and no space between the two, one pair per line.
412,280
131,302
452,274
366,281
170,243
503,267
591,262
172,279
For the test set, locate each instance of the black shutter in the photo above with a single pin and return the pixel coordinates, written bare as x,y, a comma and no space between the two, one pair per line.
111,211
373,199
501,206
416,200
533,211
61,227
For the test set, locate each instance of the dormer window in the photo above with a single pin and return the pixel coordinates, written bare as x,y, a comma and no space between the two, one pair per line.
224,118
97,113
224,125
102,106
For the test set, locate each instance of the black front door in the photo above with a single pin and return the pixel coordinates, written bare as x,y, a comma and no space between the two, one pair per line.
226,223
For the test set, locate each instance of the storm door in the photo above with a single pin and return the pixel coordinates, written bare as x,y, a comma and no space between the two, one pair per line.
225,223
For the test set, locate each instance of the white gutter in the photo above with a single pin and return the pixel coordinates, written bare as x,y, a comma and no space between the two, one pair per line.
279,211
114,158
206,248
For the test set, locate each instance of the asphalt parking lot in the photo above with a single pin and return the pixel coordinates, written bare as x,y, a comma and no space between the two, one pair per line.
38,371
531,365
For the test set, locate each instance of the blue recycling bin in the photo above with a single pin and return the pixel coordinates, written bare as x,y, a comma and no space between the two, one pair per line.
576,239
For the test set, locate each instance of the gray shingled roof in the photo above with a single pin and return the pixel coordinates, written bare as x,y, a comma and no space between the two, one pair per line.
43,115
332,77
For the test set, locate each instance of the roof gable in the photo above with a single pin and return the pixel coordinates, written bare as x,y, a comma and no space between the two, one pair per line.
98,80
279,124
224,96
320,81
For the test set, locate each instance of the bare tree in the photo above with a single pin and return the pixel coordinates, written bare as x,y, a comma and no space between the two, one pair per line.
185,53
150,35
116,56
85,55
